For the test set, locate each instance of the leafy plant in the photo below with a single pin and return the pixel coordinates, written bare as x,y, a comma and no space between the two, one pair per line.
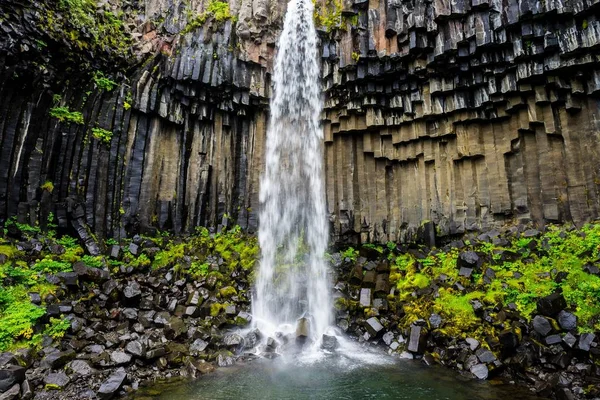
64,114
350,254
102,82
102,135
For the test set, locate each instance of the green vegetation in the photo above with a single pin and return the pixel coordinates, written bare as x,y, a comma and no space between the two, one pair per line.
355,56
350,254
102,82
49,186
102,135
330,15
64,114
217,11
521,273
83,26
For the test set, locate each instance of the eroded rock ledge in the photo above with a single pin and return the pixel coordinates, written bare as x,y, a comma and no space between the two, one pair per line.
471,114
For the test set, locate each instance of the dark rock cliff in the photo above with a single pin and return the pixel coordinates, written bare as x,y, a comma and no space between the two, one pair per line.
468,113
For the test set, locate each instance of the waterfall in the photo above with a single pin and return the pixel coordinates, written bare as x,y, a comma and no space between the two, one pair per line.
292,278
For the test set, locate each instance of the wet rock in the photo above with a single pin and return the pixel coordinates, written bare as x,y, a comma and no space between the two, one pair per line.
225,358
585,341
134,249
243,318
551,305
120,357
566,320
541,325
508,339
174,328
417,339
302,329
569,339
132,293
56,381
473,343
111,386
155,353
26,390
329,342
80,367
469,259
58,359
135,348
162,318
8,359
485,356
251,339
202,366
387,338
35,298
531,233
109,287
10,376
553,339
85,273
130,313
365,297
480,371
198,346
233,340
12,393
373,326
69,279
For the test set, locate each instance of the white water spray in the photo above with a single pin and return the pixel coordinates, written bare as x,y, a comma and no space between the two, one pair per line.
292,280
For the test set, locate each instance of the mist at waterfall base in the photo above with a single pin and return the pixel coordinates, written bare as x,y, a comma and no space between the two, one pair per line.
292,277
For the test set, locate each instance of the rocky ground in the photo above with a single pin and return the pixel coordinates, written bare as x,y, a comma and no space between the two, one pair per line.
520,304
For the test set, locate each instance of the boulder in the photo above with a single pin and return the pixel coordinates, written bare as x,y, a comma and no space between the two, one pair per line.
111,386
197,347
566,320
365,297
10,376
551,305
541,325
91,274
480,371
132,293
58,359
303,328
12,393
469,259
585,341
56,381
233,340
136,348
329,342
80,367
174,328
417,339
373,326
119,357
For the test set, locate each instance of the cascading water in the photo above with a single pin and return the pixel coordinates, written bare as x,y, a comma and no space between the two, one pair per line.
292,279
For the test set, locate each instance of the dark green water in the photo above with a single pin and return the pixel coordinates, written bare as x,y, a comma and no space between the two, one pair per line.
329,380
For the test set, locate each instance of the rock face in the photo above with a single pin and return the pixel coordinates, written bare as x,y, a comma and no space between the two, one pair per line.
469,114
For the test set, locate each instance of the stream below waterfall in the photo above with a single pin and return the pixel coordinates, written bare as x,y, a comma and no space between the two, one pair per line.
334,377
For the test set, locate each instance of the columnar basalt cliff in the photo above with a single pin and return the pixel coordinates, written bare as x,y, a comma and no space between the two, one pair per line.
468,113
